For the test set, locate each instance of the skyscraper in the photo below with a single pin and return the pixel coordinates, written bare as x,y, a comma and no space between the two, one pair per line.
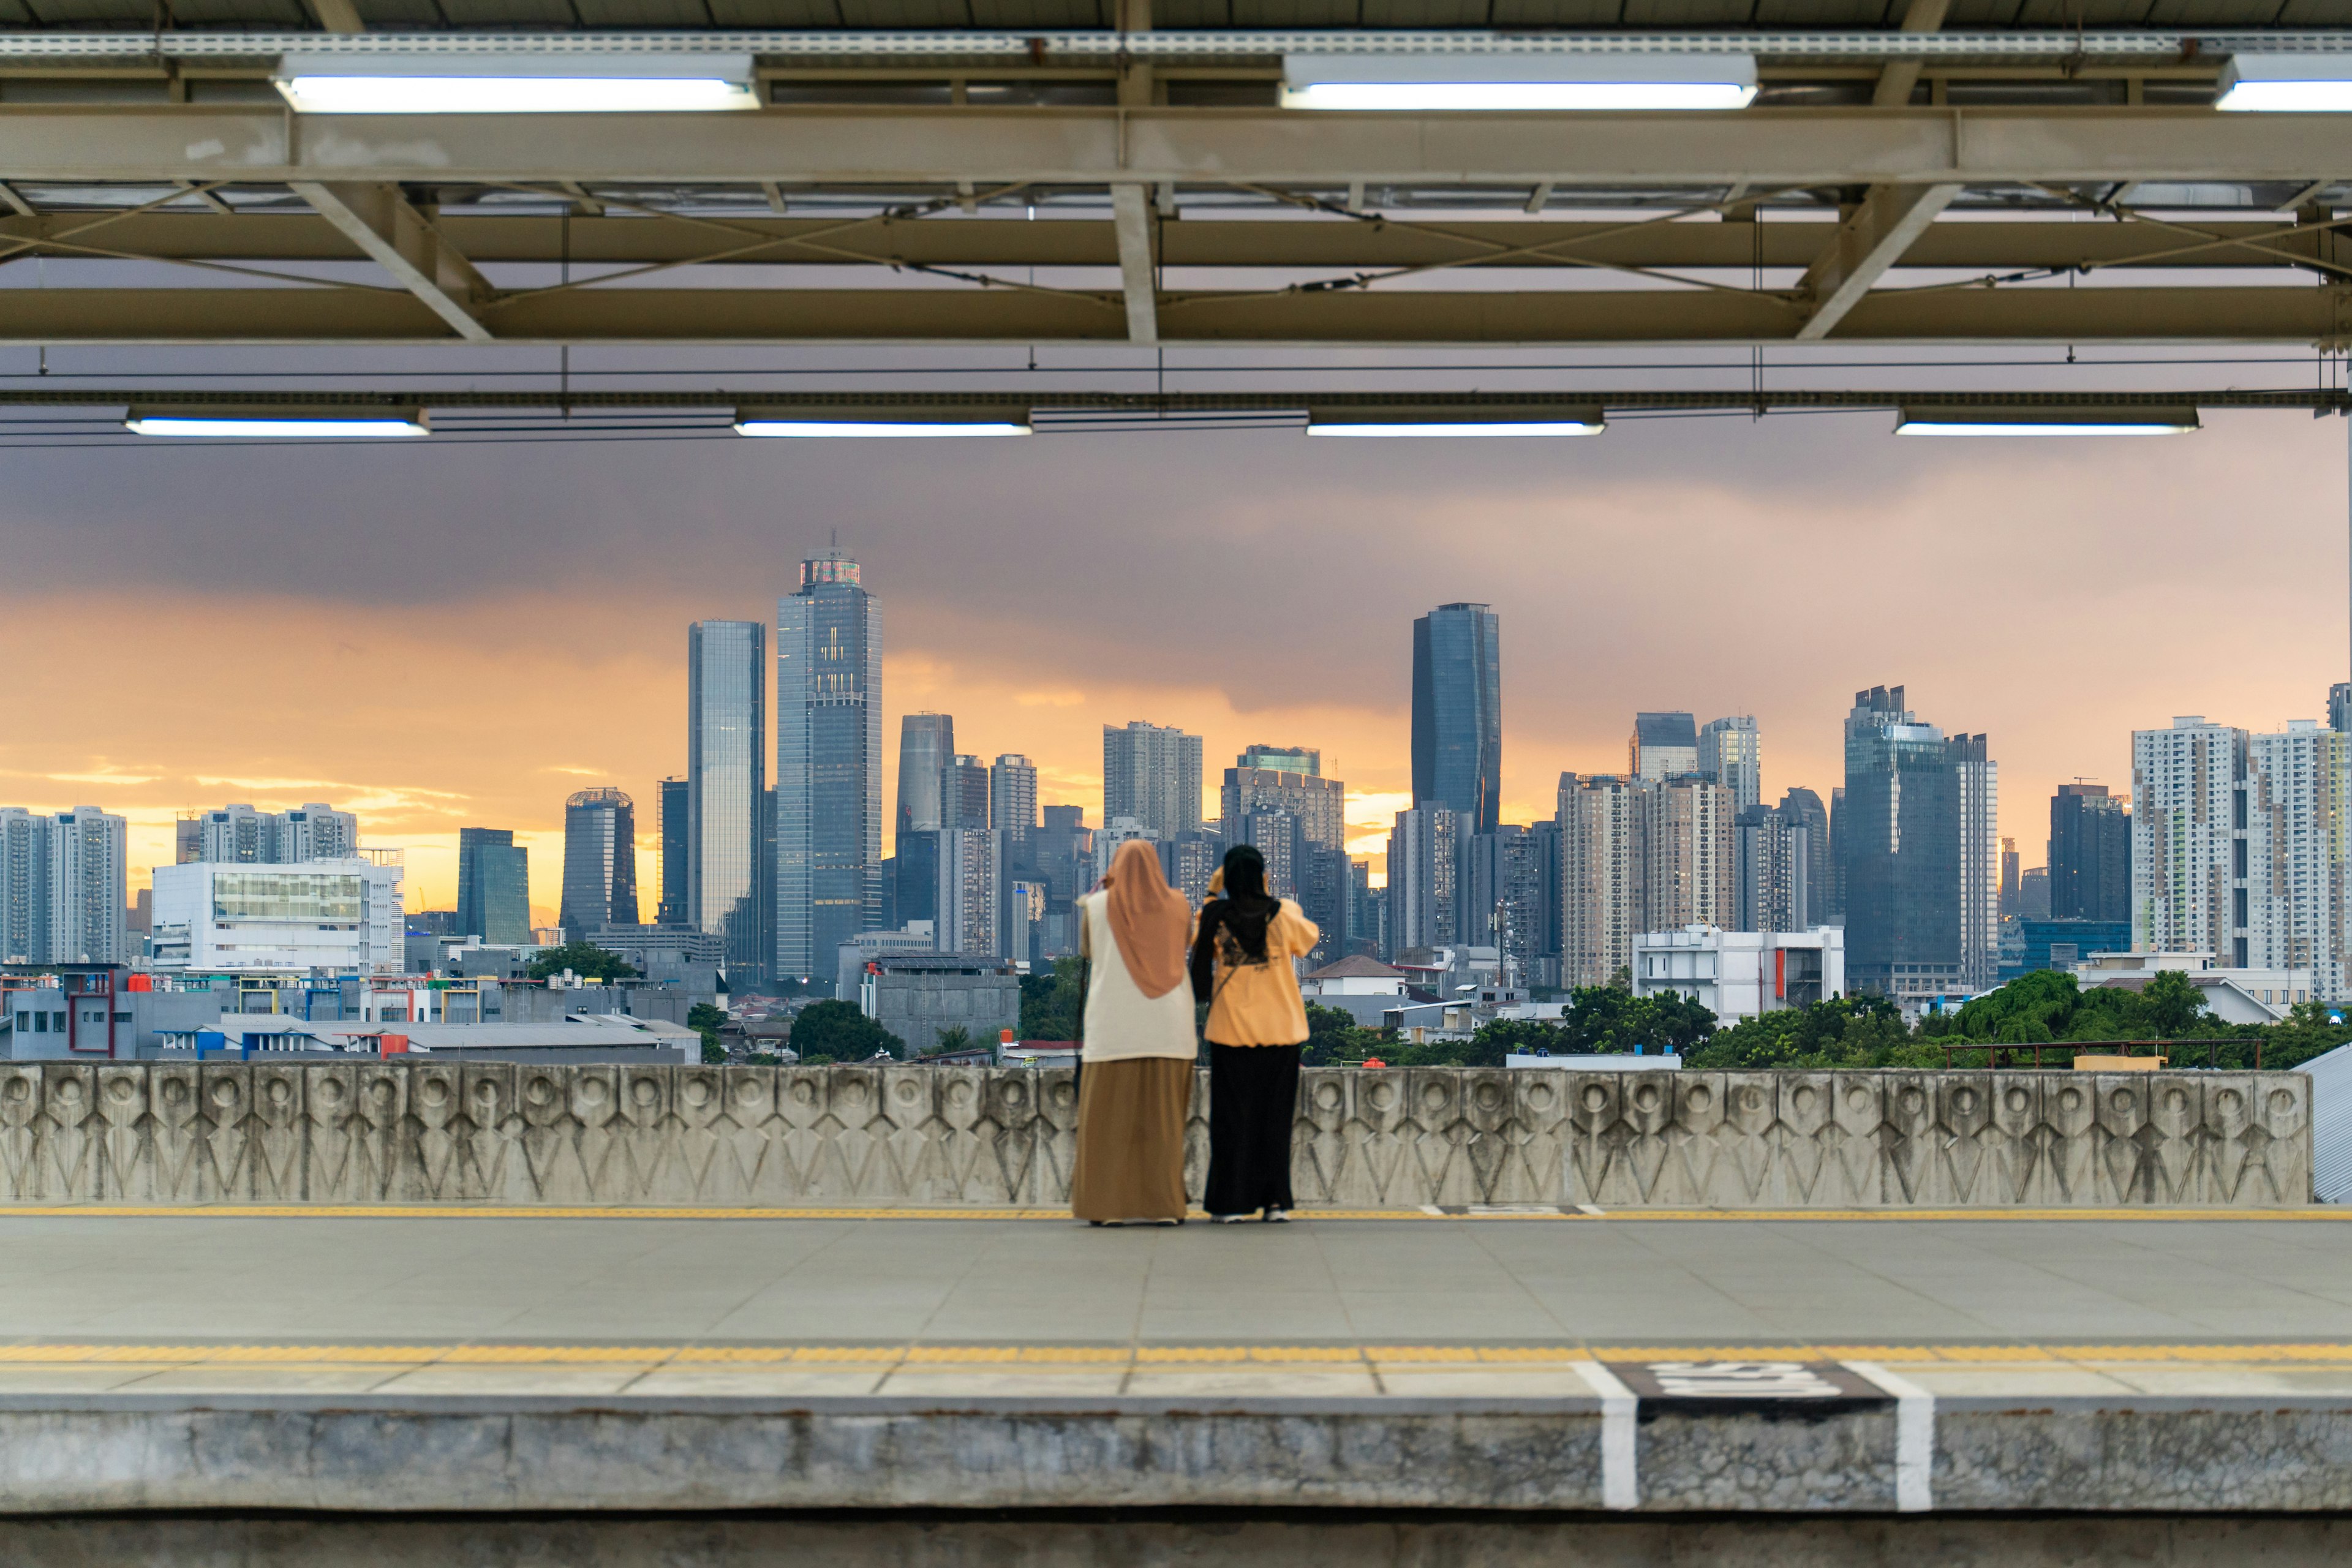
1820,863
2089,855
1504,902
1603,861
23,885
1920,851
493,884
1775,863
1305,759
2010,865
1732,750
600,862
2190,867
90,877
972,891
925,741
1425,853
674,815
1663,746
964,792
725,773
2339,707
1152,775
1691,873
828,765
2299,853
312,831
1012,800
1978,778
1457,713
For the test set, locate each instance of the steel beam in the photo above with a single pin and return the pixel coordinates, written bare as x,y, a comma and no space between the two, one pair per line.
1867,244
1131,218
1998,246
912,315
401,240
1766,149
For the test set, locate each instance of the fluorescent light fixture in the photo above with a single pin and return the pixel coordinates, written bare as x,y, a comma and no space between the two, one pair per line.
516,84
263,421
805,421
1685,82
2119,419
1445,420
2287,84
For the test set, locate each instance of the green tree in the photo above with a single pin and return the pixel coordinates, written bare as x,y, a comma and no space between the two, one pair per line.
954,1039
706,1020
1049,1001
584,959
1334,1037
837,1032
2172,1004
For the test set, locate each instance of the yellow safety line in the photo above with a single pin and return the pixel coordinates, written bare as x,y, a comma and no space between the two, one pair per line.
687,1212
899,1355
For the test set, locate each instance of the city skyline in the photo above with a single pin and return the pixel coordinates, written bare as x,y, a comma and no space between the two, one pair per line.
996,627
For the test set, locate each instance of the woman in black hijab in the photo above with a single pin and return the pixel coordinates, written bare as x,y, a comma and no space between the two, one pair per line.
1243,967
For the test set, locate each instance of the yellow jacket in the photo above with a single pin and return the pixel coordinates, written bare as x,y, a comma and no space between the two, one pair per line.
1252,1001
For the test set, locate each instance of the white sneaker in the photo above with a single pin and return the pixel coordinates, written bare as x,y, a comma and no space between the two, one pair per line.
1228,1219
1277,1216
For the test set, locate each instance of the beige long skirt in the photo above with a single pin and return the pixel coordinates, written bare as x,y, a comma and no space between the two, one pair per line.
1131,1139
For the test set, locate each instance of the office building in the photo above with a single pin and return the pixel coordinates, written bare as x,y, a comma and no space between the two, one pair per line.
2339,707
2061,944
672,909
1305,759
1731,752
1833,870
1663,746
971,891
600,862
920,998
333,917
1691,871
1457,714
2089,855
915,879
493,886
1604,823
725,776
1151,774
1544,848
828,765
1426,849
926,744
1013,802
1741,975
2033,893
2009,867
964,792
1821,860
1978,779
1900,840
1774,858
1504,903
1063,855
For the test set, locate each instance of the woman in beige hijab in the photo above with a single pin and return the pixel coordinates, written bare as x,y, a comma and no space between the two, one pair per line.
1135,1087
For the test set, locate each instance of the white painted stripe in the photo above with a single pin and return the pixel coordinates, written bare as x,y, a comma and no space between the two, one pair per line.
1620,1484
1915,1436
1592,1209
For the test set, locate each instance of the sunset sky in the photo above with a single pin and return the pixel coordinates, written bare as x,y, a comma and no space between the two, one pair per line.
436,634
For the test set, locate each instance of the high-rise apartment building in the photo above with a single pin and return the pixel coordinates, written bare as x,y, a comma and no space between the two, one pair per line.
1920,853
725,776
971,891
963,792
1733,753
89,879
1692,871
2299,853
493,884
828,765
1775,868
1604,823
1275,835
2190,863
1318,804
600,862
1662,746
1821,861
25,886
1305,759
240,834
1152,775
926,744
1012,800
674,814
2089,855
1505,901
1457,714
1426,849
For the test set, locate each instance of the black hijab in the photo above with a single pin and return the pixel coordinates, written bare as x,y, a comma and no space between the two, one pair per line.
1247,907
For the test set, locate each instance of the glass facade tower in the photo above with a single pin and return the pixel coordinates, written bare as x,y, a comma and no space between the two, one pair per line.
600,862
493,884
671,912
1457,713
725,773
925,741
828,765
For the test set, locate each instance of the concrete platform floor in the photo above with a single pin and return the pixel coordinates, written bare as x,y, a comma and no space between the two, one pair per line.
861,1303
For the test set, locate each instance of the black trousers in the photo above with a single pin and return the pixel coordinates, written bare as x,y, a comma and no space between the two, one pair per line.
1253,1101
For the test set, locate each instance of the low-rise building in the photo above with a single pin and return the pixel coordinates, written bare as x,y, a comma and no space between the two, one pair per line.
919,996
2233,995
315,917
1364,988
852,956
1739,975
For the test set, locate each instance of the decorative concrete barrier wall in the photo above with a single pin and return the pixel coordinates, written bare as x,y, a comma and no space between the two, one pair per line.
546,1133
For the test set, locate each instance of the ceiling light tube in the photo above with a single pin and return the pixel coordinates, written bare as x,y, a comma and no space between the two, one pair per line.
1562,81
2119,419
1441,420
2287,84
826,422
268,423
516,84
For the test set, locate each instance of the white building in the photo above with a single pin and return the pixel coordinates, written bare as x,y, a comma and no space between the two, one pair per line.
1364,988
2234,995
1980,802
2299,863
1739,975
338,916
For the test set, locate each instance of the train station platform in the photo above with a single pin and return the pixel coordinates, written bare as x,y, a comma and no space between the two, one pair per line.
1506,1373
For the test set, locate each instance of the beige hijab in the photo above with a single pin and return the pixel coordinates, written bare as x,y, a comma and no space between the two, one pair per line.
1149,919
